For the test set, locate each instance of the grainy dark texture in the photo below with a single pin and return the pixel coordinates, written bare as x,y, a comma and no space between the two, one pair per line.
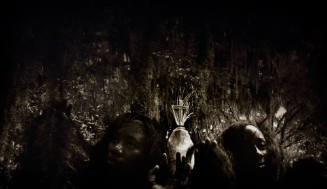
263,65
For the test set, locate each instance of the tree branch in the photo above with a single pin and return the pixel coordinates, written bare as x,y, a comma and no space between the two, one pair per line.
293,131
287,120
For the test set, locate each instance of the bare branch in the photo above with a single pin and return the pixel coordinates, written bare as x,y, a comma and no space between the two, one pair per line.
294,142
293,131
287,120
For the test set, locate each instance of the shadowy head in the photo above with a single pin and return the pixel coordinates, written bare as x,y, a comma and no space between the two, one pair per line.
131,141
212,167
253,152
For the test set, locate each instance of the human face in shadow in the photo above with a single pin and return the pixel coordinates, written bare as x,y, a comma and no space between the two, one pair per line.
128,145
254,149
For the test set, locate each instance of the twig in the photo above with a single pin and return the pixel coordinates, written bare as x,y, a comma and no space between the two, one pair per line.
294,130
283,129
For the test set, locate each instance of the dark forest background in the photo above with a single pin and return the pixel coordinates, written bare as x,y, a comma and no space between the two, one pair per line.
96,62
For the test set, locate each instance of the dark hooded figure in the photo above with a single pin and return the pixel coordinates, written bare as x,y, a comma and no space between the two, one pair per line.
254,155
125,154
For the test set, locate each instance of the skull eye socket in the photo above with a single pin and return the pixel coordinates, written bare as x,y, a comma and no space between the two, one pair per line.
261,144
